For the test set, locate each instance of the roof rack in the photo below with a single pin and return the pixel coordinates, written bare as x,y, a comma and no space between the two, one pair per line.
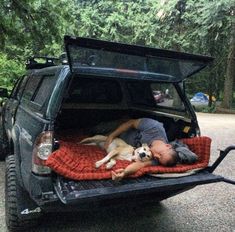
38,62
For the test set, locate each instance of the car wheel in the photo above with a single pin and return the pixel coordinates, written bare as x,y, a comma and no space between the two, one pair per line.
14,197
3,144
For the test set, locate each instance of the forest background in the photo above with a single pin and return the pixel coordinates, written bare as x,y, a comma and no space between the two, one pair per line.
37,27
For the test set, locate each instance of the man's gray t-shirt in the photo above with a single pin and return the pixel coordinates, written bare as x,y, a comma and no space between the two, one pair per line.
148,130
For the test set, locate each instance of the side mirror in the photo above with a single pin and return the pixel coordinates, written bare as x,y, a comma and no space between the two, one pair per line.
3,92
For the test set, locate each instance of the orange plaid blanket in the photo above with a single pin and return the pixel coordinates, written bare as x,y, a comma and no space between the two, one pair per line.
76,161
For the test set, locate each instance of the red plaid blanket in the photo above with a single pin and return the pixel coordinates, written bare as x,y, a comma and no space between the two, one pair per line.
76,161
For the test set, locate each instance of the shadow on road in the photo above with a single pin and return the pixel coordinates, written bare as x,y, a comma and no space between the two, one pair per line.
121,219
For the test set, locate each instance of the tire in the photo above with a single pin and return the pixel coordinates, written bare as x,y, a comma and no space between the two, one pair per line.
15,197
3,144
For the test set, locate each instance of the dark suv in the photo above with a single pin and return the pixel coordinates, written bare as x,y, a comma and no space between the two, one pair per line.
101,82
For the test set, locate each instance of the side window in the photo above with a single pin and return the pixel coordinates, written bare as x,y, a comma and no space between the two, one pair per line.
16,88
31,86
43,91
165,95
21,87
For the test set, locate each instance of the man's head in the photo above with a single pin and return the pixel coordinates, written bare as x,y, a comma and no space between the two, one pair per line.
164,152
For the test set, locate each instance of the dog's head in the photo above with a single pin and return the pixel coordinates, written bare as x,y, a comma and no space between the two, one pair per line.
142,153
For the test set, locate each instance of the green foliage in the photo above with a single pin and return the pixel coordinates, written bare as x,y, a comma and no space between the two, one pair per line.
37,27
10,70
209,109
124,21
29,27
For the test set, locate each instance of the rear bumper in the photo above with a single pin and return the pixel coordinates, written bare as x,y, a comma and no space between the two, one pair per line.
69,195
131,188
60,194
91,195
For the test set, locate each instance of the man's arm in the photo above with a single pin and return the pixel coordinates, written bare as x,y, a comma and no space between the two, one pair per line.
130,169
133,123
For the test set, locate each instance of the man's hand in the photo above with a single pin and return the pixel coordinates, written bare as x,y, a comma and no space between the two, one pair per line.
108,141
118,174
133,123
130,169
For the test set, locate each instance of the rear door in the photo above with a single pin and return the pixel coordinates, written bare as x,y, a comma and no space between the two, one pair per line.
113,59
13,103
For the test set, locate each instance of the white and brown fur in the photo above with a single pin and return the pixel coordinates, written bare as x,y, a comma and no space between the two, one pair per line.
118,150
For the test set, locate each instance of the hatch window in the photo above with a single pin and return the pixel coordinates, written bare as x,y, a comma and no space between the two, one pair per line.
86,90
113,59
165,95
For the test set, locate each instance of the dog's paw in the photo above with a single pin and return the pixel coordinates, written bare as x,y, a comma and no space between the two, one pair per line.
109,165
98,164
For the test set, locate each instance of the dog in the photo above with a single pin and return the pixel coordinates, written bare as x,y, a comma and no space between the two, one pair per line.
118,150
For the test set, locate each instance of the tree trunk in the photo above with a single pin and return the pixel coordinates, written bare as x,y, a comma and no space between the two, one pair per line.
211,85
230,72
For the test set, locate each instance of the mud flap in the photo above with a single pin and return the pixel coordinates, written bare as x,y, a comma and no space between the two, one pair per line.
27,208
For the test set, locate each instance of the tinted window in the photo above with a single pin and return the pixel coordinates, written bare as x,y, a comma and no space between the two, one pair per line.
86,90
170,65
141,93
44,90
166,95
19,87
16,87
31,86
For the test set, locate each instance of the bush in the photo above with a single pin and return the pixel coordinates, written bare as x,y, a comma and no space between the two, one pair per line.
10,70
209,109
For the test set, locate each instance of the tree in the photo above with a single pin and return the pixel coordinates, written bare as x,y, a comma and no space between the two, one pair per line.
208,33
132,22
31,27
230,71
37,28
10,69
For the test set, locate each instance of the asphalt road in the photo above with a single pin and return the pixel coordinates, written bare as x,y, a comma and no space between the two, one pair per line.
205,208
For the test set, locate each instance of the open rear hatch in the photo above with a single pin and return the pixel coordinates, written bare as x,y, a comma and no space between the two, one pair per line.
111,59
72,192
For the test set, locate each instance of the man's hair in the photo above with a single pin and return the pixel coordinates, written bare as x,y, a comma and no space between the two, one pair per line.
174,159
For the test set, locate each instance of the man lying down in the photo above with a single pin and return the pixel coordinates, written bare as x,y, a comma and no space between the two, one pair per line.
146,130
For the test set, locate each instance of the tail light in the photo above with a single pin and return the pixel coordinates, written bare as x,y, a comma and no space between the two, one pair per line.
41,151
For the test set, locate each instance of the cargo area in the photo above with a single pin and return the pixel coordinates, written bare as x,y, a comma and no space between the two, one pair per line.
92,102
72,122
